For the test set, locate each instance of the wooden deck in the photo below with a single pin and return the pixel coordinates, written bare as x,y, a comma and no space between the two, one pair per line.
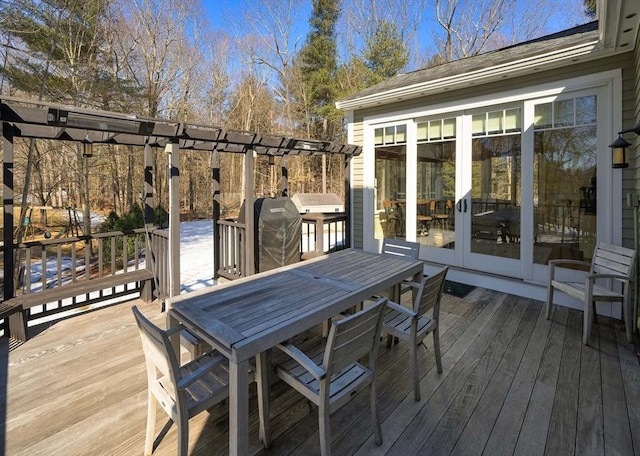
513,383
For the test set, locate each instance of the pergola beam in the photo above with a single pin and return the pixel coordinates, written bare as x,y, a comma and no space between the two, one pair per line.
42,120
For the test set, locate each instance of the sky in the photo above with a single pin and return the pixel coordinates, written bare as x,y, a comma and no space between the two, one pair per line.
226,15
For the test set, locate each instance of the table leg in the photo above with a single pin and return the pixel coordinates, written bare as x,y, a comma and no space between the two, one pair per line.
238,408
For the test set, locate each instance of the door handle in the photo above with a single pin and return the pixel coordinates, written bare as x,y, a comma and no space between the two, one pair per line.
459,205
465,205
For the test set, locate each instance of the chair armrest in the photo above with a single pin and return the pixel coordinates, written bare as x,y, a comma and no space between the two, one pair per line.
201,370
554,263
411,283
400,308
174,329
302,359
592,277
575,262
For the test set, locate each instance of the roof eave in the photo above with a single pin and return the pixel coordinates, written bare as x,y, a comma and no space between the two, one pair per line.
556,58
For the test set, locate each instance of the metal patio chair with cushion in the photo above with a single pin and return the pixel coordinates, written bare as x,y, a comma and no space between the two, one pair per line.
330,374
182,391
414,324
611,264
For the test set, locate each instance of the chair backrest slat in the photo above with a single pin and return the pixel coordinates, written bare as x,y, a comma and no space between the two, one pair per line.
400,247
354,337
429,294
612,259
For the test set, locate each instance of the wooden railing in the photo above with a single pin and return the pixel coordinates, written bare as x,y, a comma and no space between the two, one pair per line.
159,261
231,249
321,233
57,275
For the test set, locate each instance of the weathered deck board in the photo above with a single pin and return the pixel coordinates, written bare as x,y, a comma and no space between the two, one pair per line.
561,438
478,428
513,383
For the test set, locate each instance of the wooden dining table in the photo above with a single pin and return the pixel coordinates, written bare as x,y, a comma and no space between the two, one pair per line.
244,318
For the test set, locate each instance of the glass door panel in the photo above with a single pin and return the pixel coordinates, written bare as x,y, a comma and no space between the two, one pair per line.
495,206
390,178
565,155
436,183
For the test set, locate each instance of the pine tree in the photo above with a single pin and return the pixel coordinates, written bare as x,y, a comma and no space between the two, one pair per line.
385,53
590,8
319,67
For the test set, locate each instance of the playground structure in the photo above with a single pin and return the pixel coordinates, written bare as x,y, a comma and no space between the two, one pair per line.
49,226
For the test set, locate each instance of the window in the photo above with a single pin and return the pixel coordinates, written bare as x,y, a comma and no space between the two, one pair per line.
565,146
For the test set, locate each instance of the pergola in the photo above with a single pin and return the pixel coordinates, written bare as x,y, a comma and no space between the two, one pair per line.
41,120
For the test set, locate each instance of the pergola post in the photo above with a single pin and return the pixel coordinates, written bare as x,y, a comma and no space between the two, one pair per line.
285,176
215,175
173,152
149,219
249,202
7,195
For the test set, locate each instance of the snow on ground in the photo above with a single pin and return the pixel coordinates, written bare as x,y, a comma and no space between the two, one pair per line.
196,255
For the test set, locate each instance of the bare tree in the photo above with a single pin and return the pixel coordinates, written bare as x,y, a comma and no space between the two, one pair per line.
273,44
469,27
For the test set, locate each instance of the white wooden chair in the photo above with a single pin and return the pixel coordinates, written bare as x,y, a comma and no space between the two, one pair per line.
330,375
182,391
413,325
610,263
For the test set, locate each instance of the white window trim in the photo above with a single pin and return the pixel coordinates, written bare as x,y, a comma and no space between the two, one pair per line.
608,83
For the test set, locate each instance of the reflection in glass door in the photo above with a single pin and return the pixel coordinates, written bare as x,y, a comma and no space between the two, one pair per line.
436,183
496,199
390,178
565,150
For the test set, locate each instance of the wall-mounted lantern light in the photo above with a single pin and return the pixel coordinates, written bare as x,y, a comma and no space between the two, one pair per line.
87,148
620,149
272,160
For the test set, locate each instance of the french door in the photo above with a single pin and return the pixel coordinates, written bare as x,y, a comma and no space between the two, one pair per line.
503,189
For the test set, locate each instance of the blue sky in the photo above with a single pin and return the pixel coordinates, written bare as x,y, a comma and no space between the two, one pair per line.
226,15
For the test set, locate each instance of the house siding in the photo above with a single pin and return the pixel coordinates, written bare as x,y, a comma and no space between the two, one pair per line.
357,185
628,62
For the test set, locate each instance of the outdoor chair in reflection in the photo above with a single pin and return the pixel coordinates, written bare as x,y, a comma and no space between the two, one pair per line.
329,375
414,324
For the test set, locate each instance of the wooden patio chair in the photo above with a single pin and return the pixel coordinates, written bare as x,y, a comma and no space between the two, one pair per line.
610,262
330,375
413,325
182,391
402,248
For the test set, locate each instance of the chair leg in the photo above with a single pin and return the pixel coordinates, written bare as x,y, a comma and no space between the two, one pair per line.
183,434
389,340
628,318
262,377
152,406
436,349
586,330
413,353
377,430
325,430
549,301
